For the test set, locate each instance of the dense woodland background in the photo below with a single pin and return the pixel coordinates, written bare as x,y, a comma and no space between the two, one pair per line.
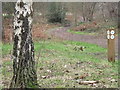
95,16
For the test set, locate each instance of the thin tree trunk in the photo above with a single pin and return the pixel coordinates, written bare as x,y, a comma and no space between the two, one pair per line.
83,12
75,18
24,73
91,11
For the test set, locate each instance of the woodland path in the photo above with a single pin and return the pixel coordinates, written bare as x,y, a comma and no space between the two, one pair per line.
93,39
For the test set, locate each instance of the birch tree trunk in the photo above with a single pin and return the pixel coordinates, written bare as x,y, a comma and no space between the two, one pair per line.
24,73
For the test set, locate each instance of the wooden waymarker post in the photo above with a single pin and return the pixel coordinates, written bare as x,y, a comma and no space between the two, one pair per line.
111,44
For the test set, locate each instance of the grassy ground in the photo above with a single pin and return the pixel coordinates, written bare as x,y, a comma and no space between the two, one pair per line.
101,29
81,32
0,64
61,66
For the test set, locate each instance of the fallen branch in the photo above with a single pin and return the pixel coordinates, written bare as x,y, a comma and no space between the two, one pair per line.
87,82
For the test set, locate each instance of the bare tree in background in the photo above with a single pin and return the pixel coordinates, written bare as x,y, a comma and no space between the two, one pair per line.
88,11
40,11
76,12
24,73
112,8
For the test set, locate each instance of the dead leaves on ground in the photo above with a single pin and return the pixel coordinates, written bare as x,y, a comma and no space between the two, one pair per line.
82,76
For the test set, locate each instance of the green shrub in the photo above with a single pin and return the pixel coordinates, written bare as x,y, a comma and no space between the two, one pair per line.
56,13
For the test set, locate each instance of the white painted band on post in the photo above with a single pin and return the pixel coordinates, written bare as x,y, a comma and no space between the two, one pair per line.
108,36
108,32
112,32
112,36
